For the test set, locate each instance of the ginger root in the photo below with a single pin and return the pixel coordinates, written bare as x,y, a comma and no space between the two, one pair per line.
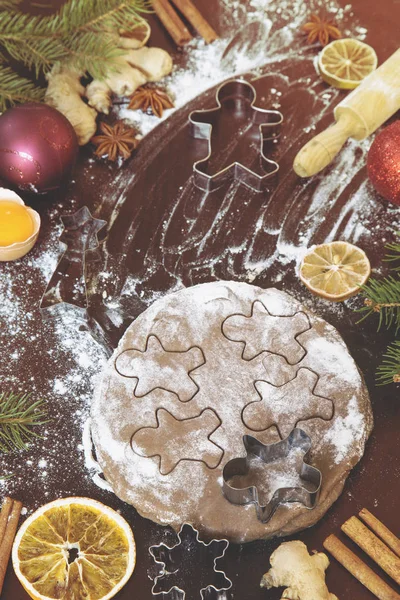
133,69
304,575
65,92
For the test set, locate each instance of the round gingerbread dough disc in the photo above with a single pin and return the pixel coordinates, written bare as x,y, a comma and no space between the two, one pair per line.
203,367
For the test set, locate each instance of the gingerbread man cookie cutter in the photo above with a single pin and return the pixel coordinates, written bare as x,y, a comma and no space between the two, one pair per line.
297,440
172,558
268,121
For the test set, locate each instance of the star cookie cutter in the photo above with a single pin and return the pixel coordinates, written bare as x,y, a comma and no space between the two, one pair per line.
269,121
80,242
172,561
268,454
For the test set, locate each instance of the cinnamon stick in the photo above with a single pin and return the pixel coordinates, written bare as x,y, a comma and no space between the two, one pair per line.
381,530
194,16
8,539
373,546
172,22
359,570
4,514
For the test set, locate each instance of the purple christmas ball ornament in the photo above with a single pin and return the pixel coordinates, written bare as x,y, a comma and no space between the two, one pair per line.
38,147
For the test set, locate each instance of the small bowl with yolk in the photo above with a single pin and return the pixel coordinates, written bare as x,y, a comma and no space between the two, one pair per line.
19,226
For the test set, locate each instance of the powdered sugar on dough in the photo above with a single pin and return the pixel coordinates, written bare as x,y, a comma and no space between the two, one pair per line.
281,473
156,367
284,406
346,431
171,484
262,331
188,439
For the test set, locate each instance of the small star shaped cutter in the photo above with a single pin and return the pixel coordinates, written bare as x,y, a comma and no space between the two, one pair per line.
172,561
268,121
268,454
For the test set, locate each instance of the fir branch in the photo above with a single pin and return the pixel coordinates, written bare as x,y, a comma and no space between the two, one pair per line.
83,34
389,370
16,26
394,255
93,54
38,55
17,417
10,5
102,15
14,88
383,297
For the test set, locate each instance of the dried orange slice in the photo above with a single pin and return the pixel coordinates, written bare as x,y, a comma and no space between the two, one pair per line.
345,63
74,548
335,271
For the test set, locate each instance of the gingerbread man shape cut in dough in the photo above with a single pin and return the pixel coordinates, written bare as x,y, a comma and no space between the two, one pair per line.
174,440
288,404
158,368
264,332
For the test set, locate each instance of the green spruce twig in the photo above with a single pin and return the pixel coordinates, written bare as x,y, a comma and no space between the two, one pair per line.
394,255
389,370
10,4
18,418
14,88
84,35
382,297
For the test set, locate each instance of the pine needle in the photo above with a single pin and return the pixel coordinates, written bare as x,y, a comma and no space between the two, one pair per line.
83,34
394,254
382,297
14,88
18,415
93,54
10,4
389,370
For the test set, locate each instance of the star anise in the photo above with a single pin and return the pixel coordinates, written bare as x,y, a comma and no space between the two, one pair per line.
321,29
151,99
115,140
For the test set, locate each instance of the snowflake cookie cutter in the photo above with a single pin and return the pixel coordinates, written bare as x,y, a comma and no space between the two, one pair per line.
297,439
171,559
268,121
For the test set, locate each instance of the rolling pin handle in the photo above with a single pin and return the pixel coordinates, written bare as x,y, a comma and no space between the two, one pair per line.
322,149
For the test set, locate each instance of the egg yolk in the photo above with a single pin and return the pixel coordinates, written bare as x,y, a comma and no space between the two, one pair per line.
16,223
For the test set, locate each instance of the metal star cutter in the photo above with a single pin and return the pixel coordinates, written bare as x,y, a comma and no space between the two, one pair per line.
68,282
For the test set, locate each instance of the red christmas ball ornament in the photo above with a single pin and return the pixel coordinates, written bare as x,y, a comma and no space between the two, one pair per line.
384,163
38,147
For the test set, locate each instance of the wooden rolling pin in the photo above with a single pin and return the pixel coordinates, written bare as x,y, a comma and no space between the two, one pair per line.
374,101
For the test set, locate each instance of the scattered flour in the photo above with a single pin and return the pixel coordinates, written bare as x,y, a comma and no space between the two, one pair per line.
271,477
54,360
204,66
63,359
346,431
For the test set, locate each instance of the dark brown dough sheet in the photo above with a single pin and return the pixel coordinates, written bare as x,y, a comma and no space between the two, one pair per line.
201,368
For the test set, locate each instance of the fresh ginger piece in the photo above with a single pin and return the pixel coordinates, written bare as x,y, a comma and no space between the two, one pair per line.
64,92
133,69
304,575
